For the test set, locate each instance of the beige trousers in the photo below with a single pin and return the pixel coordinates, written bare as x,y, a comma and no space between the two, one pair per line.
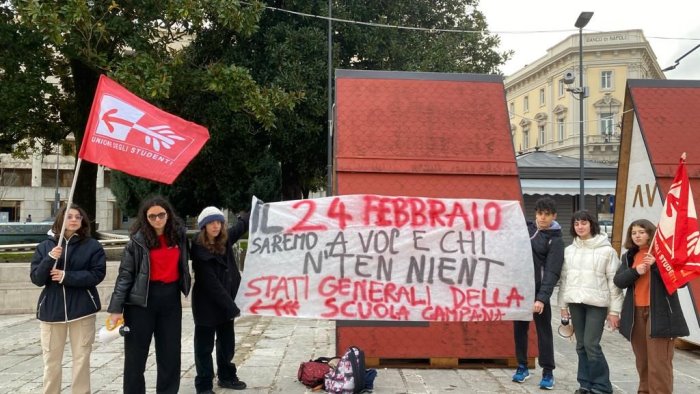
53,342
654,356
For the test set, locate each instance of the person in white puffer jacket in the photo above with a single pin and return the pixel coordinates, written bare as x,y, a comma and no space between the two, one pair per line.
588,296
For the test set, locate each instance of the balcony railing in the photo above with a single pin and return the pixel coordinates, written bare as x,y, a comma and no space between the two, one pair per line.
573,141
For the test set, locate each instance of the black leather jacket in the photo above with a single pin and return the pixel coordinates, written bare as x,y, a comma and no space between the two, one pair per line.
84,263
131,287
665,312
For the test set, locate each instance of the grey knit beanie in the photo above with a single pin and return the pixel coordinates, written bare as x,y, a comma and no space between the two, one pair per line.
208,215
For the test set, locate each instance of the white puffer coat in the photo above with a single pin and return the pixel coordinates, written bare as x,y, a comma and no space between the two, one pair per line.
587,274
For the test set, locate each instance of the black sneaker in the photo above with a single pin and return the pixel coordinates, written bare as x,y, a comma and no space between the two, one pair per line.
232,384
206,392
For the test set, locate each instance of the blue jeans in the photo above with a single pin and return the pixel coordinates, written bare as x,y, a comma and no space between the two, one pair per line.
593,371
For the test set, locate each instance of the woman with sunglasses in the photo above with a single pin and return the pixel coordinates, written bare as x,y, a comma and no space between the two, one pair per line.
69,271
153,272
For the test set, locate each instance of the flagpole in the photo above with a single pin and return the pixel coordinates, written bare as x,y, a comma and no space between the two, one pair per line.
69,203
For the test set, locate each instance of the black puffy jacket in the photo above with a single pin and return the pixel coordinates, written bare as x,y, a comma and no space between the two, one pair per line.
134,277
216,281
84,263
665,312
548,257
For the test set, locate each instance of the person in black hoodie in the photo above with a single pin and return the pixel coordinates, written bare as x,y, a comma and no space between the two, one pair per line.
69,273
650,318
216,282
548,257
154,270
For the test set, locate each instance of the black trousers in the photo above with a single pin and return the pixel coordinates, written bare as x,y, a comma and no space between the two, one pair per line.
160,319
545,341
225,348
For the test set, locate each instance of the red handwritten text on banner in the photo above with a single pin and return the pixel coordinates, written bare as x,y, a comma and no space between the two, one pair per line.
370,257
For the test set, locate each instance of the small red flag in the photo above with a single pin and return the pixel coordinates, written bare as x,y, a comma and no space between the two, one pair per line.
676,246
128,134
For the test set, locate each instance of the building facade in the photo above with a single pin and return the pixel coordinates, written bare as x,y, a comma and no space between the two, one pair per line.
545,117
33,187
544,112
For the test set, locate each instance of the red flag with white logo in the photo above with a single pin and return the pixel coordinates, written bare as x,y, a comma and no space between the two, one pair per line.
675,245
128,134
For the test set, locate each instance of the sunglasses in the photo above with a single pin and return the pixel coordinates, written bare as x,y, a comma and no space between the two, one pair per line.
155,216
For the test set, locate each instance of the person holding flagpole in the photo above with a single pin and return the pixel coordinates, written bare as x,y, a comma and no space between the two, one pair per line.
651,318
588,297
154,270
69,271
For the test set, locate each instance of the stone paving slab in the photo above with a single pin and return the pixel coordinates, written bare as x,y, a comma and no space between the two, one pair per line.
269,351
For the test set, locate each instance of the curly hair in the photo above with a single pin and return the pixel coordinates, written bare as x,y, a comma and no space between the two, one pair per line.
84,230
586,217
646,225
172,224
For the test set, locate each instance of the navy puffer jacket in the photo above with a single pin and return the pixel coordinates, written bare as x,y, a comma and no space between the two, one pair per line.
84,263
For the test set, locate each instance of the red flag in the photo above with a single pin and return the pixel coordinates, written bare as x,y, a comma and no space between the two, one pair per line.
128,134
676,246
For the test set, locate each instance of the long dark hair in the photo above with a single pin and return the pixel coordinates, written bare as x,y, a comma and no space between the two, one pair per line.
172,224
219,244
646,225
84,230
587,217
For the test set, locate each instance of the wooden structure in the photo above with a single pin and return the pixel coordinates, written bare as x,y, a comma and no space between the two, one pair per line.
661,121
428,135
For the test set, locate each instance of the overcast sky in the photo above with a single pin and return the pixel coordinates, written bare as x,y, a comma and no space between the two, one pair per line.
671,26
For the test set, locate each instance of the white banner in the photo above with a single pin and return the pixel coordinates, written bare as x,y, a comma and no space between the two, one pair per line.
369,257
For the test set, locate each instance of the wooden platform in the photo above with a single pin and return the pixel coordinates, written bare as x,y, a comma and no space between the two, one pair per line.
681,344
445,363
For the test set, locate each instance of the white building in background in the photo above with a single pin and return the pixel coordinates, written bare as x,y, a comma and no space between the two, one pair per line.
545,115
29,187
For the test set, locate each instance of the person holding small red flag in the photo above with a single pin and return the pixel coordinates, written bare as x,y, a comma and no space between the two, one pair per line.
650,317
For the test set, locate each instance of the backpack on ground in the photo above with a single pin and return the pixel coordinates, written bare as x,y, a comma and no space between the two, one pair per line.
348,377
312,373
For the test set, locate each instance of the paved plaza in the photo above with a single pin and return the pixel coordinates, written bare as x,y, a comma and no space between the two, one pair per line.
269,351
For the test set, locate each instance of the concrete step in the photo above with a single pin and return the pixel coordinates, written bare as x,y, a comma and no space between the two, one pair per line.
19,272
19,295
23,297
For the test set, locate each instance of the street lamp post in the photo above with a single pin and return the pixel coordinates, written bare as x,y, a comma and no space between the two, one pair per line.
329,169
581,22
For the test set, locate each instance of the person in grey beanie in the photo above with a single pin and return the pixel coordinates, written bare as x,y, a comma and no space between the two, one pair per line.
216,282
